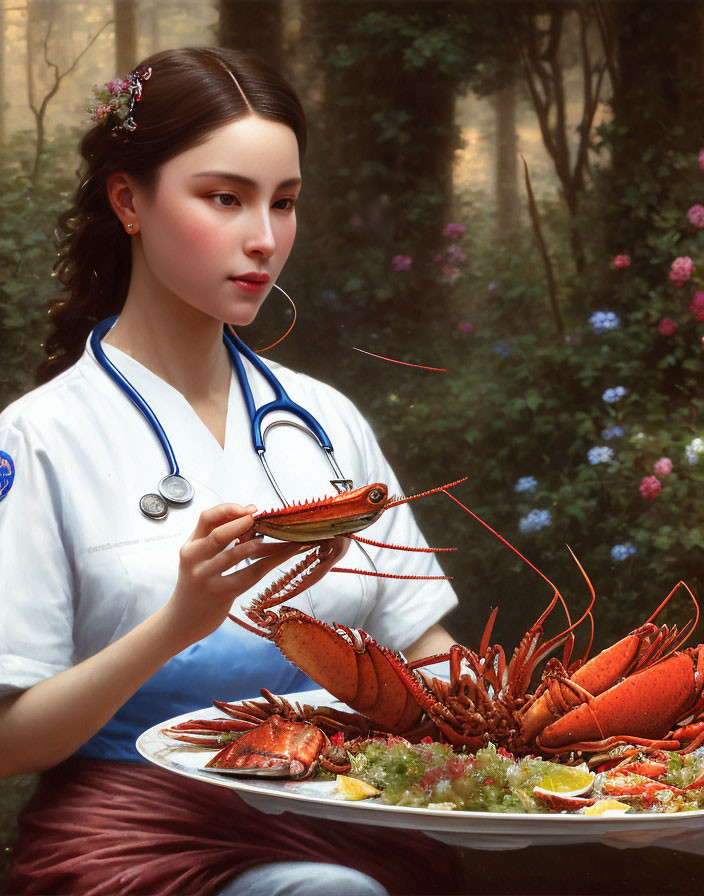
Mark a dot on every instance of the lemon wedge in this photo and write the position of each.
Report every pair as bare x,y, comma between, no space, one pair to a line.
607,807
567,780
354,789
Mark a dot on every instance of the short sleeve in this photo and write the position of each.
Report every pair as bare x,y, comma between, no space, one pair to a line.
36,581
404,609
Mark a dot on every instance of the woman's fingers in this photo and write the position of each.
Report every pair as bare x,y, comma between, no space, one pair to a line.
243,579
223,514
215,531
279,551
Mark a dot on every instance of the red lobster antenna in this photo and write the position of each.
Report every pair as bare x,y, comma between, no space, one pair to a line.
405,363
394,502
549,645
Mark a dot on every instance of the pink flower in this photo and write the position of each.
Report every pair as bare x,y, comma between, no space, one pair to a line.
622,261
465,326
667,327
697,305
701,159
450,271
650,487
402,262
454,231
456,255
681,270
355,221
662,467
695,216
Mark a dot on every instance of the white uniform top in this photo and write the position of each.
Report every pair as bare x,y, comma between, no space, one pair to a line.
80,565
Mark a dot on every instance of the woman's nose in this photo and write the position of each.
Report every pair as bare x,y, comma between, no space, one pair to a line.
260,237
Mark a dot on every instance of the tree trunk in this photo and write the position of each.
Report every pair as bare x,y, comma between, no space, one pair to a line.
386,133
507,202
254,26
125,14
660,88
3,130
658,100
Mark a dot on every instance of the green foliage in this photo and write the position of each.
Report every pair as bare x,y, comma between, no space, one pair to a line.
516,401
28,214
469,46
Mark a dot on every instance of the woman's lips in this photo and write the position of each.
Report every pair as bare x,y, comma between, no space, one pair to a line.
253,282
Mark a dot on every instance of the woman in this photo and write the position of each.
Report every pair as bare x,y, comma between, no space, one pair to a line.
183,221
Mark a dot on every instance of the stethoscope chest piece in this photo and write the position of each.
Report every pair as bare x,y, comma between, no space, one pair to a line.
176,489
173,489
153,506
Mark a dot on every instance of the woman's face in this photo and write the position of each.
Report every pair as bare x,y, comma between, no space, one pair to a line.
220,224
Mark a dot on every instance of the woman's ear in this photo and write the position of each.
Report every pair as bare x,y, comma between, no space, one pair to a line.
120,195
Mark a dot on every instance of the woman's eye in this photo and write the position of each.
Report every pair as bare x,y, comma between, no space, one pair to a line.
287,204
227,200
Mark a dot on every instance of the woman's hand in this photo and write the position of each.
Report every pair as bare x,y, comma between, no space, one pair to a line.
34,732
204,594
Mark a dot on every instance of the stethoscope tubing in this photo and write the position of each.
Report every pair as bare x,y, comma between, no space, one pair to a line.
281,402
175,488
101,330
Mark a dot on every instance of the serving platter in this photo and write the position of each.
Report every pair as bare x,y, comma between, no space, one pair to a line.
479,830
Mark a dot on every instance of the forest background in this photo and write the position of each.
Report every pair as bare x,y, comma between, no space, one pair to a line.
573,358
569,317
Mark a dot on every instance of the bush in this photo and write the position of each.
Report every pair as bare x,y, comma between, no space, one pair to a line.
28,214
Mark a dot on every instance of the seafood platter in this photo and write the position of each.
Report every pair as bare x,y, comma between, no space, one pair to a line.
496,753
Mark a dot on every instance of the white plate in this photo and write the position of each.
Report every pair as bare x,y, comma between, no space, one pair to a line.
480,830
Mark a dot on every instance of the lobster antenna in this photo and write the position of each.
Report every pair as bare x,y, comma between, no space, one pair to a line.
509,545
554,642
394,361
689,626
669,596
549,645
398,547
431,491
486,635
389,575
375,572
261,351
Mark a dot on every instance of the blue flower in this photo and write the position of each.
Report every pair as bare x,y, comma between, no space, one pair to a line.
535,521
502,348
526,484
600,455
694,450
602,321
620,552
328,295
611,396
612,432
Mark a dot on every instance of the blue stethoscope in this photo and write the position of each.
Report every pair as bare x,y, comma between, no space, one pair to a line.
174,488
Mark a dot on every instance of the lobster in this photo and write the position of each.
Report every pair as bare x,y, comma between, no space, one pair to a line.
289,748
319,523
634,692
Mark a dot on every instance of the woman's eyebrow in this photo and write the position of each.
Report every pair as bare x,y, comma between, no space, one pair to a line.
246,181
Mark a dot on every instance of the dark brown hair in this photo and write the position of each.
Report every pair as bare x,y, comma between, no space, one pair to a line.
191,93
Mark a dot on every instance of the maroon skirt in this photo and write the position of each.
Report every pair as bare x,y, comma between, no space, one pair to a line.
95,828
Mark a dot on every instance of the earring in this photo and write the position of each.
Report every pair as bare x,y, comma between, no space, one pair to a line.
130,227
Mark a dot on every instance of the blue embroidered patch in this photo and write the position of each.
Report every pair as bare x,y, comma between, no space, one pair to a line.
7,474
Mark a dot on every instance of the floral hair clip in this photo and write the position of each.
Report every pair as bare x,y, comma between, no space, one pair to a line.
119,98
